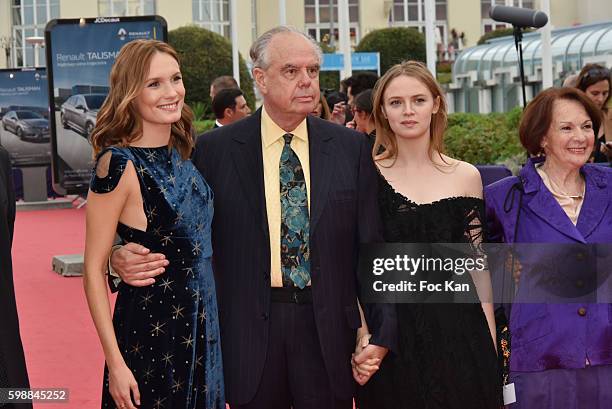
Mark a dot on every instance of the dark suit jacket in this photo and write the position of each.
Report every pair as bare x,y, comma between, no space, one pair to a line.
12,363
344,213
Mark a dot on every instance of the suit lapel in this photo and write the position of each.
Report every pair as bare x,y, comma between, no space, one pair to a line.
320,169
539,199
595,201
548,209
247,157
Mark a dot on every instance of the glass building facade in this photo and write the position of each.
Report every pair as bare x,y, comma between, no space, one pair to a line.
486,78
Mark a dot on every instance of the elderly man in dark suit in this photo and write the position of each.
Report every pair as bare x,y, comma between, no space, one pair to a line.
294,197
13,372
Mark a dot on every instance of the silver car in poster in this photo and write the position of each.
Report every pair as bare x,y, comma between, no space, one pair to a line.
26,125
79,112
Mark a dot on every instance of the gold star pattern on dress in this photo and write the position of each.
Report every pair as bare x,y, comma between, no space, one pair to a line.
136,349
146,299
202,316
172,179
158,328
177,311
179,217
200,227
151,212
188,272
197,248
177,385
148,374
151,156
196,294
167,358
159,403
142,170
188,341
166,284
166,240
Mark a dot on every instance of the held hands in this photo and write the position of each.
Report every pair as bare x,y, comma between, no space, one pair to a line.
366,359
136,265
122,386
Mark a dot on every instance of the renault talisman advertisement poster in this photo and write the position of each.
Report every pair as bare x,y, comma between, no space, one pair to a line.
24,116
80,55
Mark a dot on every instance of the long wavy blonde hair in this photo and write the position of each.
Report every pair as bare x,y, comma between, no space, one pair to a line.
118,121
385,137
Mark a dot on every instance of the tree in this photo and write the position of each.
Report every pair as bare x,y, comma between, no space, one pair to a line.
204,56
395,45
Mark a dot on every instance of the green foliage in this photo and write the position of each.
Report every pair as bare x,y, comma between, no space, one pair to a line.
395,45
444,77
203,126
444,66
199,110
484,139
329,80
205,56
500,32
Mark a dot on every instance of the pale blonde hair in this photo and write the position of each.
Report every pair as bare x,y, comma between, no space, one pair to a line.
385,137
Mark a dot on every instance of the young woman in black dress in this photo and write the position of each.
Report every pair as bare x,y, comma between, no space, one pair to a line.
446,356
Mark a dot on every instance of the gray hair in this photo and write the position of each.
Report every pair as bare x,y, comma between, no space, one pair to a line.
259,49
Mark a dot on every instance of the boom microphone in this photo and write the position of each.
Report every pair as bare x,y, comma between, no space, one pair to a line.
519,17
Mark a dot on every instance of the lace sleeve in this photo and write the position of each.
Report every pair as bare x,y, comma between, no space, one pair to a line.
475,225
108,169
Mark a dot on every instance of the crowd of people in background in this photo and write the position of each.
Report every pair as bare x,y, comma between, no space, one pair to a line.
298,185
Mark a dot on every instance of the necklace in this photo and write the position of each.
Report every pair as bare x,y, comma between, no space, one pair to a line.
555,187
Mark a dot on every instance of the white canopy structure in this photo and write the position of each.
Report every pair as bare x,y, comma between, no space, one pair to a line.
486,78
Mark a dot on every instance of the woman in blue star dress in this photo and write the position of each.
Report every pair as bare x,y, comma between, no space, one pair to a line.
162,344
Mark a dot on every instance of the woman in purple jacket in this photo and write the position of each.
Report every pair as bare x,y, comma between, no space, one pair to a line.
561,351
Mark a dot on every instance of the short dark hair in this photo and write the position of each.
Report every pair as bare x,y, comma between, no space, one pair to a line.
537,117
362,81
363,101
224,82
226,98
591,74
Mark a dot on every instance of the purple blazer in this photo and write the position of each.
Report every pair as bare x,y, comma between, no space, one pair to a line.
554,336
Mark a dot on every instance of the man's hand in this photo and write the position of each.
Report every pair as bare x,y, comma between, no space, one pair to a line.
136,265
366,360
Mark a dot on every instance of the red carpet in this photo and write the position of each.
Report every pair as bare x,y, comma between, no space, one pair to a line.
60,342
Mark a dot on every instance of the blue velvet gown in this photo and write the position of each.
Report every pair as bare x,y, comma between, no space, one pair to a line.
168,332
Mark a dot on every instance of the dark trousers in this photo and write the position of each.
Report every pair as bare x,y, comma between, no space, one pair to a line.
294,374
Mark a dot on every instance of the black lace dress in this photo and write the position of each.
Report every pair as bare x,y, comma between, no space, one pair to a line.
446,358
